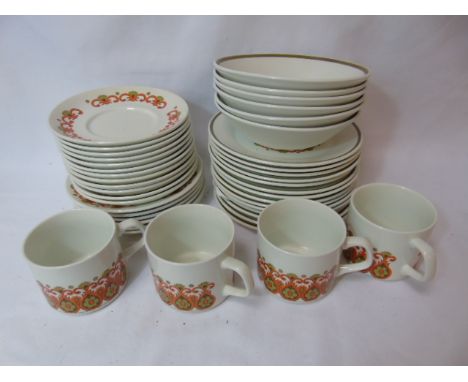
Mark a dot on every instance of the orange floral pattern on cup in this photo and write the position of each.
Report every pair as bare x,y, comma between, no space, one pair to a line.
88,296
292,287
185,297
380,268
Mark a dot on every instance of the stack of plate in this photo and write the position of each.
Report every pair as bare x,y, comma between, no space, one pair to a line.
128,151
248,178
286,129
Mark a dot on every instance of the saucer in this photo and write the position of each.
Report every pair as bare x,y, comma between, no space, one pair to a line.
118,116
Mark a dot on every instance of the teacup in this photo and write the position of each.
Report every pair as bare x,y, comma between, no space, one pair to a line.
190,250
397,221
300,243
77,259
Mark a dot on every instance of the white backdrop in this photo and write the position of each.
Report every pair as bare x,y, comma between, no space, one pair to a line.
415,129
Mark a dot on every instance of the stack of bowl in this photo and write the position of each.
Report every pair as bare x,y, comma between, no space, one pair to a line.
286,128
128,151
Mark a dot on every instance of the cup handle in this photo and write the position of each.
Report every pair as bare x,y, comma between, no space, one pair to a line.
355,241
430,263
135,247
243,271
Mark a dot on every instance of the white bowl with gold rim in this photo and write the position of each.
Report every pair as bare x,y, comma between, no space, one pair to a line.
291,71
281,139
275,110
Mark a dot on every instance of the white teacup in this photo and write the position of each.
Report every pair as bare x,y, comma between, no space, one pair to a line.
397,221
190,250
77,259
300,243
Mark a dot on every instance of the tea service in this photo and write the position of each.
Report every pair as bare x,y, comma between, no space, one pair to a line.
285,154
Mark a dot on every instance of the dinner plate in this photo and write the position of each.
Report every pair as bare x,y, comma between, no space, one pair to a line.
289,101
266,90
343,145
117,116
183,190
236,217
263,198
281,182
288,71
282,172
317,121
279,111
274,191
125,153
257,206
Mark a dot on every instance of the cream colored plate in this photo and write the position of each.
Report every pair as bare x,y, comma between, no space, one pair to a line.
117,116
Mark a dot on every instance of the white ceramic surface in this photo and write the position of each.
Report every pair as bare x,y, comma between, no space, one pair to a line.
183,190
275,110
141,198
191,253
275,173
289,101
303,238
126,149
291,71
397,221
265,90
137,187
250,176
134,162
128,155
77,259
320,121
233,140
264,196
118,115
144,169
284,140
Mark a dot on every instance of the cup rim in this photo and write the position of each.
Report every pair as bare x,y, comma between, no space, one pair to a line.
229,221
392,185
312,202
57,215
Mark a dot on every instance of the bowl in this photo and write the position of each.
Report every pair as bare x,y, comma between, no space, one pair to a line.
289,101
304,122
266,90
268,109
281,139
293,72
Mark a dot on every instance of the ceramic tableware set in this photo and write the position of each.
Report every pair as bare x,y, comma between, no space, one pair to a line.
285,155
286,128
128,151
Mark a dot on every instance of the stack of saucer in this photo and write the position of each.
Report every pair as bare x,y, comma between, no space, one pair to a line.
286,129
128,151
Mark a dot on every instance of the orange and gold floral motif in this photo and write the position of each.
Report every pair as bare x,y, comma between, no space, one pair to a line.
380,267
67,122
286,151
291,286
131,96
183,297
88,295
